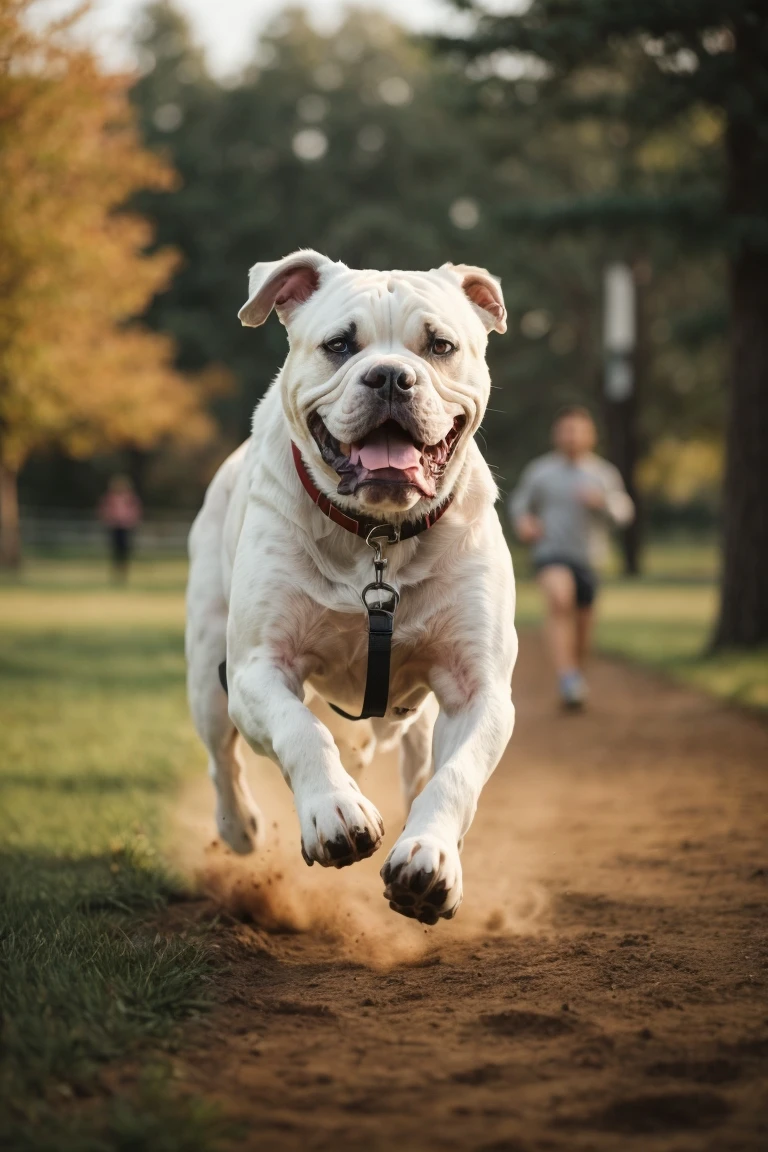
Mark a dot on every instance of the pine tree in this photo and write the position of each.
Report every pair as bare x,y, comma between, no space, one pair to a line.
654,66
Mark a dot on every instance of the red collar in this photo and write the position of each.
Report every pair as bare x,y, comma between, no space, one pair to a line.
362,525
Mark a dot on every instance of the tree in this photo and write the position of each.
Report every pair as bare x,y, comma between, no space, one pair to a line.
75,368
678,61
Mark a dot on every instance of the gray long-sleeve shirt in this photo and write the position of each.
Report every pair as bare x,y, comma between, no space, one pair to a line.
550,489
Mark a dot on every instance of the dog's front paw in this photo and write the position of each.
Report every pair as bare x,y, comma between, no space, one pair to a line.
422,877
239,821
339,828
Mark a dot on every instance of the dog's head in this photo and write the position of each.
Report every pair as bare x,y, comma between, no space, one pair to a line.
385,383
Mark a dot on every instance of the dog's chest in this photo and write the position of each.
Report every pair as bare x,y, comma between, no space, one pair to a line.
336,661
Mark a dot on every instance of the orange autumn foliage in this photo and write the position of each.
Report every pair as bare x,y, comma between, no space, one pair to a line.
75,368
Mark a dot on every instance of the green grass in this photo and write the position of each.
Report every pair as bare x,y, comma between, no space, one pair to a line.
94,739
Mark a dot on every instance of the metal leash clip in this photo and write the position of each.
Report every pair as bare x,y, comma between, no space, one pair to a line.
388,597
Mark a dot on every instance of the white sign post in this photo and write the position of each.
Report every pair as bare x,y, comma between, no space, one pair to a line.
619,334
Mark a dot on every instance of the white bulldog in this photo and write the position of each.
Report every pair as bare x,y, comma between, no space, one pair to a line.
371,420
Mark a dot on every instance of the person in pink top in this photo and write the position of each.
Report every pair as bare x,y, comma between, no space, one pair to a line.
120,512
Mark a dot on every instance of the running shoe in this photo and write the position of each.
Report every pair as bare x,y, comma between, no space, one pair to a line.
573,690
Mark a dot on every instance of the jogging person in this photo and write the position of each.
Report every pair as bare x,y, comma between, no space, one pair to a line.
562,507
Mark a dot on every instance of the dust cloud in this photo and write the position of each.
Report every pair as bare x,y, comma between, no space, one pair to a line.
274,890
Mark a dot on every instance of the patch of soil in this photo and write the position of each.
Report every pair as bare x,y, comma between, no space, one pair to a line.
603,987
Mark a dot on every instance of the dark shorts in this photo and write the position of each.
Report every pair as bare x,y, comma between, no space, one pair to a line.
585,578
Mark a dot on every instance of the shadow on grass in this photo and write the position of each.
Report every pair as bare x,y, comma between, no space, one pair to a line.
127,879
85,978
72,784
155,1119
141,659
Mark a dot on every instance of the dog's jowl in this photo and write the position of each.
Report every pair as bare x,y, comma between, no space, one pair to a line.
363,448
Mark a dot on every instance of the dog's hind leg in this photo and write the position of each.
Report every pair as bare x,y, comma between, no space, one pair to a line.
354,738
238,818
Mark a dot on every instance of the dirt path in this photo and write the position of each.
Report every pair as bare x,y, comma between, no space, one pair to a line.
603,987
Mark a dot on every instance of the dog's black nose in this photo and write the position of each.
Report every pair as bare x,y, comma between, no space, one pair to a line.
390,376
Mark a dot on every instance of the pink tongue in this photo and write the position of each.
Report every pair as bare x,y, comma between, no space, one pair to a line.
387,447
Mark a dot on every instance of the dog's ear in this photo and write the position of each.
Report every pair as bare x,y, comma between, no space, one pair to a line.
281,284
484,292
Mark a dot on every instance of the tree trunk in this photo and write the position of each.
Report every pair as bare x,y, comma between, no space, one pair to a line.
10,537
743,618
621,425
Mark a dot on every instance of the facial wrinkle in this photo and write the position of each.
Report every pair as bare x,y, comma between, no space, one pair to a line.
390,296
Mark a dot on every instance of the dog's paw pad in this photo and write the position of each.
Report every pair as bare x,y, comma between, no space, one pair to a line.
363,841
341,852
437,896
340,829
421,882
422,879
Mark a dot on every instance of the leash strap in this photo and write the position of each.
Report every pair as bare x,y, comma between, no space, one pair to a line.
380,601
380,629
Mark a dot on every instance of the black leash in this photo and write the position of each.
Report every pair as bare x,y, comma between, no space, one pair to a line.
380,601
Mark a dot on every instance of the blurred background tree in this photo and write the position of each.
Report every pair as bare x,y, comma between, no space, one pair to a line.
681,90
75,370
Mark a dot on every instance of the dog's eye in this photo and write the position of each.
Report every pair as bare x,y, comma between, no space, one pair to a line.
441,347
339,346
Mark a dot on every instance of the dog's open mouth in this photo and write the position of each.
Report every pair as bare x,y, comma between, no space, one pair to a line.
386,455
